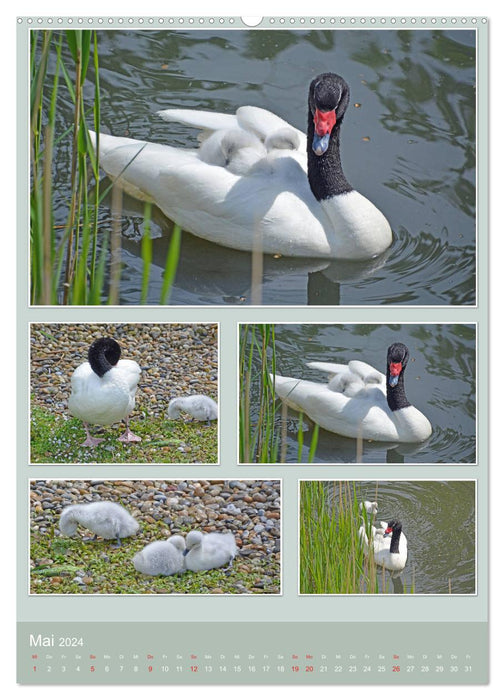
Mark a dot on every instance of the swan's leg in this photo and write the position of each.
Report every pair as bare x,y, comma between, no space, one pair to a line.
229,566
90,441
118,543
128,436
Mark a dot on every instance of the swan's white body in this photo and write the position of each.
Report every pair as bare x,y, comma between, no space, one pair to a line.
200,407
104,518
392,561
104,400
353,404
163,558
209,551
245,188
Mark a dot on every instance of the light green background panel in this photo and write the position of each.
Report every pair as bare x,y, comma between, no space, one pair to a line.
254,639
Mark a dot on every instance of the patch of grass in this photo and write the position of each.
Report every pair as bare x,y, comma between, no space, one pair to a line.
73,565
56,439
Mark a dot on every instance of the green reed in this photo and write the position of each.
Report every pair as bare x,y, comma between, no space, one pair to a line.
263,432
259,439
75,261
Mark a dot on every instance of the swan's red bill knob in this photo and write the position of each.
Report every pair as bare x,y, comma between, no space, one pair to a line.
395,370
324,122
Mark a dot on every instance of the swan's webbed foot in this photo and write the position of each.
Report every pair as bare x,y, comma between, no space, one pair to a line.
118,543
90,441
128,436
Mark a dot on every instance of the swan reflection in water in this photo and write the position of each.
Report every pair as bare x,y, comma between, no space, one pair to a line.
210,274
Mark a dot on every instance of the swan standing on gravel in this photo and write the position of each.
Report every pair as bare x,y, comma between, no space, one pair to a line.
106,519
358,401
199,406
209,551
256,180
389,552
163,558
103,389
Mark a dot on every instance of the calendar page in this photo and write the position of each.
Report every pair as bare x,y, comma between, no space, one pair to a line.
252,350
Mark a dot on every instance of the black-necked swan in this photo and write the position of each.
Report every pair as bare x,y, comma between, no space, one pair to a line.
390,552
105,518
199,406
358,401
279,191
209,551
162,558
103,389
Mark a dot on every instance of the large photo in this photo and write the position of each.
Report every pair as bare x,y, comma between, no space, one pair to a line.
321,167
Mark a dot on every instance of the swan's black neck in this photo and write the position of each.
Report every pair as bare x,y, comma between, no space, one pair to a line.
396,395
103,354
397,356
325,173
396,536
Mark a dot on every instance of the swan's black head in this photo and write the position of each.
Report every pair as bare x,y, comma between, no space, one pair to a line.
397,359
393,526
328,100
103,354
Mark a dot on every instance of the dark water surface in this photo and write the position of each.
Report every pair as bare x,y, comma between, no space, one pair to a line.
408,144
438,519
440,380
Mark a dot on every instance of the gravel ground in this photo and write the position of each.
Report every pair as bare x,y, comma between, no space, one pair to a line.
176,360
250,509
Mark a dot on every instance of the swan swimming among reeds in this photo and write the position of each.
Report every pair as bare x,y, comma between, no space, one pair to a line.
256,177
389,552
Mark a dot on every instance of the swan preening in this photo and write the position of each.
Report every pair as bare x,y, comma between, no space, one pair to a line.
256,182
358,401
389,552
209,551
162,558
103,389
200,407
106,519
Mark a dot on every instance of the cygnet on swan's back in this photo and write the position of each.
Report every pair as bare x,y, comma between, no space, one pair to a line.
199,406
371,507
162,558
104,518
236,150
209,551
